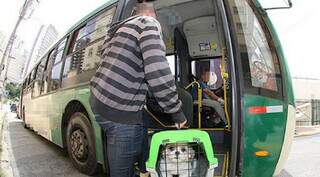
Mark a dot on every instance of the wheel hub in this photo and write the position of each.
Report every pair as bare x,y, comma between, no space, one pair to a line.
79,144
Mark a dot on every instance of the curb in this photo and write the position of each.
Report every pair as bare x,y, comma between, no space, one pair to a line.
308,133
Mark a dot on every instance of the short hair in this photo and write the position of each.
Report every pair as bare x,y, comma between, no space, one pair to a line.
143,5
141,1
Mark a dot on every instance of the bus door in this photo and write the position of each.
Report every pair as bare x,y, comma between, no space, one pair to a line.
263,111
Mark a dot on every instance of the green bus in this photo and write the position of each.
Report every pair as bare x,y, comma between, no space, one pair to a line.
234,39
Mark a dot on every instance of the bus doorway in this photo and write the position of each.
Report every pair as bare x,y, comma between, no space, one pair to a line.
196,49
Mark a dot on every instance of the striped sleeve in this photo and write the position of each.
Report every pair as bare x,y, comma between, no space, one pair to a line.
157,71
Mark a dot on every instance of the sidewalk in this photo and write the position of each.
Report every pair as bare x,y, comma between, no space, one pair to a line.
307,130
4,163
2,116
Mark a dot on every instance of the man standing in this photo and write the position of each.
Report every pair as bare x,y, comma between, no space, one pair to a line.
133,62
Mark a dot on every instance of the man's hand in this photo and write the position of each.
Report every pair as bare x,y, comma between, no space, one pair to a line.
221,101
207,91
180,125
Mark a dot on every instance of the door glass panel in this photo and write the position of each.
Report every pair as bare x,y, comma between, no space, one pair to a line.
261,65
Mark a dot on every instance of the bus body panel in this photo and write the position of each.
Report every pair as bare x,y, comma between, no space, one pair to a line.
288,139
35,114
83,95
263,132
290,100
58,104
44,115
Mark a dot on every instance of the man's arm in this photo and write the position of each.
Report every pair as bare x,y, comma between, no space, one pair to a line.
157,71
211,94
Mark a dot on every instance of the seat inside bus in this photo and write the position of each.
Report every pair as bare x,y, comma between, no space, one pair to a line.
191,32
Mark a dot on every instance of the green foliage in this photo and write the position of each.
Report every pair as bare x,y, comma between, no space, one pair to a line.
13,91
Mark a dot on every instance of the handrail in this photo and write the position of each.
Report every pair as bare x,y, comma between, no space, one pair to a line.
225,76
199,90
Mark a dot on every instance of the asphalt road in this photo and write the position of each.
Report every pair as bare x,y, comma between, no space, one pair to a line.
304,159
32,156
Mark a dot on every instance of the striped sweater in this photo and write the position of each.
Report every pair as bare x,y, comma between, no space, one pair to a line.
133,62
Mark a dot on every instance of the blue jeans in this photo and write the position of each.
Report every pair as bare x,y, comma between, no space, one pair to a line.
126,145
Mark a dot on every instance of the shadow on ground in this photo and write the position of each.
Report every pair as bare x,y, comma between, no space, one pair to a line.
34,156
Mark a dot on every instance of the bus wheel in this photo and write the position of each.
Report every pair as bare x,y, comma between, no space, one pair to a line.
80,144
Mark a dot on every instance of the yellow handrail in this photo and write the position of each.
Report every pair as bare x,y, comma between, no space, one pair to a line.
225,76
199,89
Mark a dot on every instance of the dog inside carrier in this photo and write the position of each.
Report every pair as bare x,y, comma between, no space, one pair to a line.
184,153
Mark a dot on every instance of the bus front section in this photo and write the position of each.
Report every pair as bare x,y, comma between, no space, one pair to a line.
235,44
267,119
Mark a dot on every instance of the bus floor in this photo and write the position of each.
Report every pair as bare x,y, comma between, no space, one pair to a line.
221,147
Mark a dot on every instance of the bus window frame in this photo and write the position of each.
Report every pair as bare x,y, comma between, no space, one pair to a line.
35,79
29,85
119,5
83,79
45,58
33,74
246,81
49,70
28,80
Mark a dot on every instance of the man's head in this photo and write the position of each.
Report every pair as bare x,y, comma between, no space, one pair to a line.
145,8
205,75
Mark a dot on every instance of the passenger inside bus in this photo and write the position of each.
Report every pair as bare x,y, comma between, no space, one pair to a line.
210,101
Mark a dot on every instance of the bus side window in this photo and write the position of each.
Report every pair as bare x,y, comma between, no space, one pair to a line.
92,53
39,76
23,86
57,66
43,64
35,82
26,87
85,49
47,75
32,77
28,81
72,61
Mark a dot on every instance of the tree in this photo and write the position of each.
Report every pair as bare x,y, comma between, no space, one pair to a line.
13,91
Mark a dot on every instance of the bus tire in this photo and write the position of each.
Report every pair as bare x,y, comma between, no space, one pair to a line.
81,149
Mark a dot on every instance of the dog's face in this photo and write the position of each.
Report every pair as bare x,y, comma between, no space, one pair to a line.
178,152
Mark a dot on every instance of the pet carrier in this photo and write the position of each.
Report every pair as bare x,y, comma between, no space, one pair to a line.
181,153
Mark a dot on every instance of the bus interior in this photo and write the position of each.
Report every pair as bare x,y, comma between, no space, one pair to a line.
195,41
